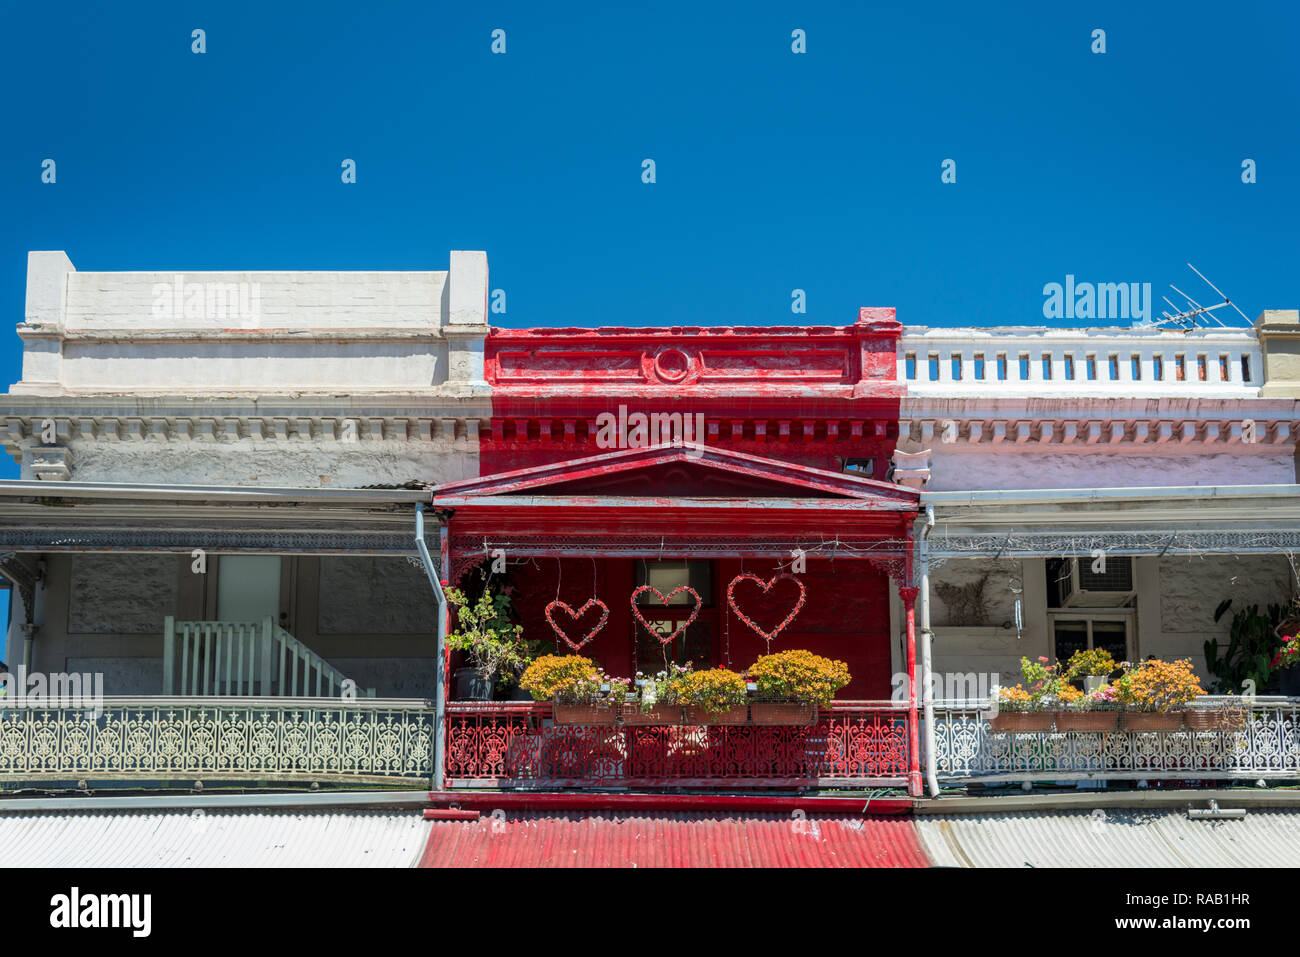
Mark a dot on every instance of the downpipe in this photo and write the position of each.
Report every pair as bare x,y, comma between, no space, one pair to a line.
927,638
440,679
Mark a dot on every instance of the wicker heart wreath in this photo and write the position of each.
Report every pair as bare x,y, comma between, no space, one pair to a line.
767,587
575,615
695,612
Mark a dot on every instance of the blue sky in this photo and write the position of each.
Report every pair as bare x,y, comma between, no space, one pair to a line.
775,171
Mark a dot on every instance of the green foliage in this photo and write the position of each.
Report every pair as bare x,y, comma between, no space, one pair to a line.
488,636
1252,643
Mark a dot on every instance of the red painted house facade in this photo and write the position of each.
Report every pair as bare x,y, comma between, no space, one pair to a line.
618,458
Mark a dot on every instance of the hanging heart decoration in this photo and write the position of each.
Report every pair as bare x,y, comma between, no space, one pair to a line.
767,587
575,615
695,612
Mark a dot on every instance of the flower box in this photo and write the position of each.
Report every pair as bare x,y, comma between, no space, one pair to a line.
656,714
1153,720
788,713
594,712
1214,719
1087,720
1022,722
732,716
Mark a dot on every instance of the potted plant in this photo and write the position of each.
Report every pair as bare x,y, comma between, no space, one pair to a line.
1029,707
1286,665
1018,711
1092,711
656,699
491,641
580,693
1092,666
716,696
790,685
1153,693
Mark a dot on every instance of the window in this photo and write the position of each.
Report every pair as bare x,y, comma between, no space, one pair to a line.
1024,366
1092,366
1047,366
1069,366
1245,368
864,467
956,367
979,365
1158,368
695,644
1135,367
1078,630
1002,366
909,364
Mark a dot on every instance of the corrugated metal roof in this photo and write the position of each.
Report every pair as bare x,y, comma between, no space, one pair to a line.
591,839
213,839
1111,838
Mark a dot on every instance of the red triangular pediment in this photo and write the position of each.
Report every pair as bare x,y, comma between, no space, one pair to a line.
689,470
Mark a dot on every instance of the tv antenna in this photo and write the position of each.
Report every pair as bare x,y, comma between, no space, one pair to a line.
1195,315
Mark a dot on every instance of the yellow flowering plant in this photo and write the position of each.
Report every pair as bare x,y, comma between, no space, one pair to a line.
714,690
800,675
552,675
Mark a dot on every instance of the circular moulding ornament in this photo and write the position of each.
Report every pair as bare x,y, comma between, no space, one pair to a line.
672,365
665,599
768,636
575,615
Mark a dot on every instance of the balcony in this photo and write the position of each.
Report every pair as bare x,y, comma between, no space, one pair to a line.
518,745
1266,746
160,742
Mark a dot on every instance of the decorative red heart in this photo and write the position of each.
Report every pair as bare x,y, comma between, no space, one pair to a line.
695,612
575,615
767,587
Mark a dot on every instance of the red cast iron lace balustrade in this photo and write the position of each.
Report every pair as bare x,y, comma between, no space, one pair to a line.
509,744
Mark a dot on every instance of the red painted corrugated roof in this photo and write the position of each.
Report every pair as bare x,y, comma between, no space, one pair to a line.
606,839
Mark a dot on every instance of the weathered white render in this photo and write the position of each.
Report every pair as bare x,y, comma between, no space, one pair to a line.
296,379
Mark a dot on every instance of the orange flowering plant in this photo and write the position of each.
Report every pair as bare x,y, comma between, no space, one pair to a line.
1156,685
552,675
799,674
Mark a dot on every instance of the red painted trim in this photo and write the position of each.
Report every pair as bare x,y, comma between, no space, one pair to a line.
588,801
449,814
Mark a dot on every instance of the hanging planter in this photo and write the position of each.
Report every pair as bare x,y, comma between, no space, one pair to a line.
697,715
592,712
1214,719
1153,720
635,714
1021,722
1087,721
798,714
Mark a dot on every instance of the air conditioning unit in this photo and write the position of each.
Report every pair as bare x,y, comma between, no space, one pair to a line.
1084,588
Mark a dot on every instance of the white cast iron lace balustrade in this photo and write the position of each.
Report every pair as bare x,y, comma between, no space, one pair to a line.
298,740
1266,746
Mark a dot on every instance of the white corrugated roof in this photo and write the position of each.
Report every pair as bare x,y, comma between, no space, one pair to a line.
199,838
1111,838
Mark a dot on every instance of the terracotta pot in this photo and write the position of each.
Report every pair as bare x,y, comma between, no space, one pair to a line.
599,713
657,714
733,716
1214,719
1087,720
1153,720
787,713
1022,722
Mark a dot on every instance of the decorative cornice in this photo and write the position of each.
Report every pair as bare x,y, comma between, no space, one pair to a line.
1072,434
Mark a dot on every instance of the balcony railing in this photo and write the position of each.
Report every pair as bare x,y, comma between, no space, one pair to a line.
518,745
183,740
1267,745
